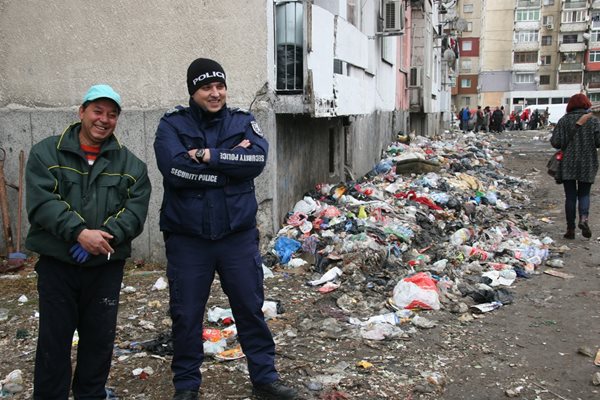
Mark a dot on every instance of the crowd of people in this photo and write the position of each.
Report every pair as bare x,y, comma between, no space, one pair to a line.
496,121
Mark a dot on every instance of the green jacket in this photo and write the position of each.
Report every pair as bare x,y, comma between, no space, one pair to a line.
66,195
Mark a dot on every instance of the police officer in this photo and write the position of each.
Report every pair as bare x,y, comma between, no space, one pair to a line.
209,155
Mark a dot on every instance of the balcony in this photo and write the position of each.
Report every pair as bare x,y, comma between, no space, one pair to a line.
593,85
526,46
571,47
574,5
527,25
529,4
596,5
570,67
573,26
525,67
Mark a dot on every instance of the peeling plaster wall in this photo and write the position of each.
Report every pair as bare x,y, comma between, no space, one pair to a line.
50,52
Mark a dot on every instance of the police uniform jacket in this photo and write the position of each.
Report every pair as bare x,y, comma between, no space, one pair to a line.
66,195
211,199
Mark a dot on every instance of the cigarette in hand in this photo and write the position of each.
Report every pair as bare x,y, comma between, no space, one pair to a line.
108,257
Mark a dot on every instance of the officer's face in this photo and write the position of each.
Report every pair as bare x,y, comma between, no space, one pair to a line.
211,97
98,121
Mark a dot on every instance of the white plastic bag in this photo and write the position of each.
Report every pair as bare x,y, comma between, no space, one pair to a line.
417,291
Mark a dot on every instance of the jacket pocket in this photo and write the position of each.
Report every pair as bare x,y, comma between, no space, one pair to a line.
112,192
241,205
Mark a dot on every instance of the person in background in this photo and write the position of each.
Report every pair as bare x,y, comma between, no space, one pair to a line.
487,117
577,133
545,117
465,116
209,156
479,120
87,199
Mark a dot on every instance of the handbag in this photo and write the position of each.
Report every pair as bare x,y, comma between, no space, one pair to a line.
553,164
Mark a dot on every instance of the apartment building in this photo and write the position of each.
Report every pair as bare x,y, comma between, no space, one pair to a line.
528,52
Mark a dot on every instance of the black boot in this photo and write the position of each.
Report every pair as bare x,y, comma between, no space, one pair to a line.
585,229
570,233
274,391
186,395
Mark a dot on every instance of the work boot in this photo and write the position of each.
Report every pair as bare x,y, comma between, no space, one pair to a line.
276,390
585,229
570,233
186,395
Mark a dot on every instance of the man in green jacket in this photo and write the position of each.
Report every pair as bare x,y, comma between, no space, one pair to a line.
87,199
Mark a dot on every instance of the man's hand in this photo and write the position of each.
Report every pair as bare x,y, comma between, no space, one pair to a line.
95,241
79,254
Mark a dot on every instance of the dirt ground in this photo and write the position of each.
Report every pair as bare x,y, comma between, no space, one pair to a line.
540,347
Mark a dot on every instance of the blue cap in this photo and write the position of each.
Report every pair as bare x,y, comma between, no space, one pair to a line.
102,92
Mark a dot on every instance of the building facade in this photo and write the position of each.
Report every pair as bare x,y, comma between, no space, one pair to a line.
325,79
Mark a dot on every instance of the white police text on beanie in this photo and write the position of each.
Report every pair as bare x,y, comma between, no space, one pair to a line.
203,71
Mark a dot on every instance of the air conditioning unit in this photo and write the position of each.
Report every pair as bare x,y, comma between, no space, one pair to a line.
550,26
393,15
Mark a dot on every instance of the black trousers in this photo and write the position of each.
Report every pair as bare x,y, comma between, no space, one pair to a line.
75,297
191,268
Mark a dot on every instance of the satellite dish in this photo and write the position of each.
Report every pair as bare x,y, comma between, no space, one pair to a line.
461,25
449,56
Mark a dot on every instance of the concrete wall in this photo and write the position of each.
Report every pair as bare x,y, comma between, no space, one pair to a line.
306,147
50,53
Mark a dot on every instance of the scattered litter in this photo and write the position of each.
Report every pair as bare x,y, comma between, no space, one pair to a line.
558,274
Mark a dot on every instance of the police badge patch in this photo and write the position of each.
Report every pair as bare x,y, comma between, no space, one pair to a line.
256,128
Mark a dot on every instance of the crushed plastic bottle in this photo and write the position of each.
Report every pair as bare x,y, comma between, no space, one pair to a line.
476,253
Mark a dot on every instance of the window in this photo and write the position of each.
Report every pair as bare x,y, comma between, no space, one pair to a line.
574,16
468,8
288,39
467,101
595,36
569,78
569,38
526,36
524,78
528,15
546,40
467,45
548,20
465,65
594,97
548,2
568,58
546,60
465,83
595,17
526,57
387,49
595,56
544,100
469,27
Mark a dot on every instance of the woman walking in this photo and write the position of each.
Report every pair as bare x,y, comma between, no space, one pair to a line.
577,133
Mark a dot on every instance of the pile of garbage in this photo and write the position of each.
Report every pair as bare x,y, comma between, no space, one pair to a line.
436,224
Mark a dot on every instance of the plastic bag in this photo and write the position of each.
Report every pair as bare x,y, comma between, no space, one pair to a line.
417,291
285,247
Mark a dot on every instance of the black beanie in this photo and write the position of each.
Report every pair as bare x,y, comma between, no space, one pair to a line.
203,71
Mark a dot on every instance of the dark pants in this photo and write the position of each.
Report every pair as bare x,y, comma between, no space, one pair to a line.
75,297
576,193
192,263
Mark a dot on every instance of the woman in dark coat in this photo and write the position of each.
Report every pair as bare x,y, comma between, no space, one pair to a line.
579,138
